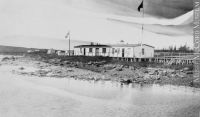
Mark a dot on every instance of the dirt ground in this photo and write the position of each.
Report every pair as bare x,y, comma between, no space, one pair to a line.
99,70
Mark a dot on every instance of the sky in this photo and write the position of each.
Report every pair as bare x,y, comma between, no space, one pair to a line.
40,23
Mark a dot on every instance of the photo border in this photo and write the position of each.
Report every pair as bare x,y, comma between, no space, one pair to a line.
196,38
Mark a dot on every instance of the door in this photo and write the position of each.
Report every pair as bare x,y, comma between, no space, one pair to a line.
97,52
123,50
84,51
143,53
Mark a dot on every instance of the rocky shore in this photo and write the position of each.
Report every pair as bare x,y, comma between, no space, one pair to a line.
99,69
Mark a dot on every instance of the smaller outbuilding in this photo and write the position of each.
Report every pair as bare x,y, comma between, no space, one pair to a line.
30,51
61,53
51,51
71,52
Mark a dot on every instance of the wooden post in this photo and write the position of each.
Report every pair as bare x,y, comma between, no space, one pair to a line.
139,59
157,59
150,60
69,43
164,59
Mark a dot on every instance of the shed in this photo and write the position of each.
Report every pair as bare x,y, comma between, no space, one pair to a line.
60,53
51,51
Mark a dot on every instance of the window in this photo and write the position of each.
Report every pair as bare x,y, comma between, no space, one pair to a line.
97,49
104,50
90,49
142,51
81,50
113,50
116,50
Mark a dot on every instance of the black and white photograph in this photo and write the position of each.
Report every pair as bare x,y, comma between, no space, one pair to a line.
99,58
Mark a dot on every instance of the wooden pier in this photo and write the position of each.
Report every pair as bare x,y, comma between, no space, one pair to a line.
176,58
166,58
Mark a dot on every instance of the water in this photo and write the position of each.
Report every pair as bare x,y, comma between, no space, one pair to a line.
142,99
133,100
110,90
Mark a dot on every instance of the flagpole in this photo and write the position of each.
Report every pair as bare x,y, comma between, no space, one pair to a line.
69,43
68,36
142,31
142,23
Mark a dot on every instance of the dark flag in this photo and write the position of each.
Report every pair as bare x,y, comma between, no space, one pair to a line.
68,33
141,6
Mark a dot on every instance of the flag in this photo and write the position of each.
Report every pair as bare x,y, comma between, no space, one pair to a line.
141,6
68,33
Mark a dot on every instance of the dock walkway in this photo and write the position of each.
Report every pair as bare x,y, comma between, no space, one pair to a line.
166,58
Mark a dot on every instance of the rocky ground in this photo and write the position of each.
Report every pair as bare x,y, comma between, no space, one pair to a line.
99,70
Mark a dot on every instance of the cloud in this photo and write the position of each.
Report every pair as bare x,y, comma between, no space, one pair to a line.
181,20
87,20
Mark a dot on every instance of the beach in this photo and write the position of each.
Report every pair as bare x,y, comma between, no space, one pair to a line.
23,94
101,68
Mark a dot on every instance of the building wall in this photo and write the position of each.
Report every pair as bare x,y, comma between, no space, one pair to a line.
60,53
115,52
51,51
79,52
107,53
129,52
148,52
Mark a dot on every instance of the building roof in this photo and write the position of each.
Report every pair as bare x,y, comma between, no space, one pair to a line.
109,46
129,45
92,46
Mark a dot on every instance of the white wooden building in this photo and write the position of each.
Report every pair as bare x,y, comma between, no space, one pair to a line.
132,51
138,51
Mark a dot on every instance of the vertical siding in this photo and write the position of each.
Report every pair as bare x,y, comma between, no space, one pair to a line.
148,52
137,52
117,52
93,53
88,53
130,52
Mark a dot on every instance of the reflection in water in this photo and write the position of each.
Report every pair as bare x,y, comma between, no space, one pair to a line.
111,89
141,99
154,99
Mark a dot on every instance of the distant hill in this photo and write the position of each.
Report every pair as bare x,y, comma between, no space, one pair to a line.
11,49
40,42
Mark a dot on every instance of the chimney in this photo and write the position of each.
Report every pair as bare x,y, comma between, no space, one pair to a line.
121,42
92,43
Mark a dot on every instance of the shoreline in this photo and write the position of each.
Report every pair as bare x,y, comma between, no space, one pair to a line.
98,69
